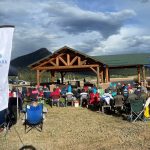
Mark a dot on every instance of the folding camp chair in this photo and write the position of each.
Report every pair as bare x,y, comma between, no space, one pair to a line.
137,110
34,117
118,104
69,99
55,100
106,104
12,109
47,95
84,100
4,124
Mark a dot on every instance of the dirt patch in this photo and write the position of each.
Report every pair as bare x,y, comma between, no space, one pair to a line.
80,129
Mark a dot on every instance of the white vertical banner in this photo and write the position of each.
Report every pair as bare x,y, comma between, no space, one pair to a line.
6,36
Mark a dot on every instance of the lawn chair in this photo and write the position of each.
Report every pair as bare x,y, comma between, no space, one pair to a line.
137,110
4,124
69,99
12,109
118,104
34,117
84,100
47,95
55,100
107,105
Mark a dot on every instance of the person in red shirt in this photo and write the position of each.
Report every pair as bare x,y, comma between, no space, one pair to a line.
58,90
55,96
94,98
10,93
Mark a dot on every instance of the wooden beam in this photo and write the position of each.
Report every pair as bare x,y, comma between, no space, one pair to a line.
73,60
102,76
63,61
97,76
54,64
139,76
49,61
46,62
33,68
107,74
67,67
68,59
93,70
57,61
79,60
38,77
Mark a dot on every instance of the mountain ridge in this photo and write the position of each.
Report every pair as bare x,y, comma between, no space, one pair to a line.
22,62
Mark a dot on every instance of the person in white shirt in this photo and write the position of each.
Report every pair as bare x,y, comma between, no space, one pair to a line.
107,97
83,96
70,98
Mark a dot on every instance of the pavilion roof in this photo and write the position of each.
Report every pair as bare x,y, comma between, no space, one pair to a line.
125,59
65,49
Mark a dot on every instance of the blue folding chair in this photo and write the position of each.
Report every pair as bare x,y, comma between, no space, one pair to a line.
34,117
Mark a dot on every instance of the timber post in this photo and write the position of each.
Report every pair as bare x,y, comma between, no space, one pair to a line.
107,74
98,76
38,77
139,76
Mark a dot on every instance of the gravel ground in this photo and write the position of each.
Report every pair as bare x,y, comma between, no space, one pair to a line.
79,129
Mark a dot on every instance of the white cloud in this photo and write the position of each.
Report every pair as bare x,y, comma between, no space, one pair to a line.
128,40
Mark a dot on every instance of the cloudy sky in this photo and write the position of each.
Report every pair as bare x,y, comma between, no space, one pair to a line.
95,27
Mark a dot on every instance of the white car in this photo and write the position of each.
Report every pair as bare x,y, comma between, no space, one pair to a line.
22,82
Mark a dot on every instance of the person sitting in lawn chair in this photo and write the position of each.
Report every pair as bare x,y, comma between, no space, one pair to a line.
34,94
34,103
70,98
94,100
107,98
106,101
34,116
83,97
55,97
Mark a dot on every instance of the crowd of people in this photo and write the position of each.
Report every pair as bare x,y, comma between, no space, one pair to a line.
87,96
64,95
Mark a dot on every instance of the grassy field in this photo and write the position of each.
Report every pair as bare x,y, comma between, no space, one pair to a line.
80,129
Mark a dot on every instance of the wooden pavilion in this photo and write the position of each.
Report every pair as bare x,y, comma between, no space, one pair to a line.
67,59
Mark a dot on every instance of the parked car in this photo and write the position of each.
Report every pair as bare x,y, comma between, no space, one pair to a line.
12,81
22,82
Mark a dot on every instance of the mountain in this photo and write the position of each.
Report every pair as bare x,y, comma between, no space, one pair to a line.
25,60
